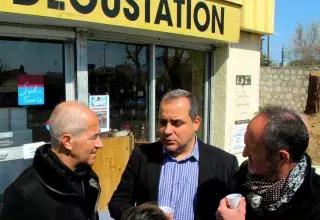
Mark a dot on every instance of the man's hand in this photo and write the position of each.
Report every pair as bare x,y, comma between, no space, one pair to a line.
169,216
225,213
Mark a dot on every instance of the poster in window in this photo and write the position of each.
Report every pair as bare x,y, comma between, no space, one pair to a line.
30,89
100,105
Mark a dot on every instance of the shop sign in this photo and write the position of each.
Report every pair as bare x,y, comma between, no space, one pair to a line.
100,105
30,89
206,19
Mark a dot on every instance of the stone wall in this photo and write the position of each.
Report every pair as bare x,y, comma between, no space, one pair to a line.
285,86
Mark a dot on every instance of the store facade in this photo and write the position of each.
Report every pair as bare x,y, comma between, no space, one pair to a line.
134,52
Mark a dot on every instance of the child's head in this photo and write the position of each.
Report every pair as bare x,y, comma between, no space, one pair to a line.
146,211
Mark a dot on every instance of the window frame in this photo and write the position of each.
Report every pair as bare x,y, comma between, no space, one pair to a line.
153,43
45,34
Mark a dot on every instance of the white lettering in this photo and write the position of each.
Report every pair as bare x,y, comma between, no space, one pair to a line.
25,89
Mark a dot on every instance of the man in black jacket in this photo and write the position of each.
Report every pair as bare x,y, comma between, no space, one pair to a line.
179,171
60,184
277,180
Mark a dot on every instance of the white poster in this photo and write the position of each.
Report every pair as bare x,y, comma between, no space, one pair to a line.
30,149
6,135
237,138
100,105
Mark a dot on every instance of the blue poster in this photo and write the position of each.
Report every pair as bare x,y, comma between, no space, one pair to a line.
30,90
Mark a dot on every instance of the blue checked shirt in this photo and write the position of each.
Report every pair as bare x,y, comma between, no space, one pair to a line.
178,184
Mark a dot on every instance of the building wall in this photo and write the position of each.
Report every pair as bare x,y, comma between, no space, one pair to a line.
242,58
258,16
242,100
287,86
219,98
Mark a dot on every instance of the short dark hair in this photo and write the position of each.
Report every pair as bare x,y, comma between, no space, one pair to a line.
285,130
146,211
179,93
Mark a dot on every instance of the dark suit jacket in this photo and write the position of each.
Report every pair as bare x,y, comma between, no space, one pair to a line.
140,180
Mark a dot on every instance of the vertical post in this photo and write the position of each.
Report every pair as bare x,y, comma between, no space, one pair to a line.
282,56
268,51
211,98
206,107
69,70
82,66
104,57
152,93
261,51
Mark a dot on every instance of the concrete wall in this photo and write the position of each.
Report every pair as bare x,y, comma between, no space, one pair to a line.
219,97
242,58
287,86
243,100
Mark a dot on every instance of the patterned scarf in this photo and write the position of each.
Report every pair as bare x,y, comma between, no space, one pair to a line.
265,197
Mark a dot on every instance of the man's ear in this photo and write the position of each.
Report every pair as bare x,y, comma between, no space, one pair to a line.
196,123
67,141
283,158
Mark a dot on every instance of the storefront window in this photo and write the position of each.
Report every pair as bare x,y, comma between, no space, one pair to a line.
180,69
121,71
31,85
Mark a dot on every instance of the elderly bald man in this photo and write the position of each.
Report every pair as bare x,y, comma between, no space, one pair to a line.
60,184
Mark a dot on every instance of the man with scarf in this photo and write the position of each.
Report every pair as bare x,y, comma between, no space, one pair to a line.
60,184
277,179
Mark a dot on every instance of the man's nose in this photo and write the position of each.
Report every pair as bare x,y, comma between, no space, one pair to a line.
245,152
98,143
168,129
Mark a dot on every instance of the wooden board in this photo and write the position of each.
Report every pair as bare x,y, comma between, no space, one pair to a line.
110,163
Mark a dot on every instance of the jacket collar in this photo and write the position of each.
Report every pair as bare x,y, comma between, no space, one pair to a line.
155,162
57,176
194,153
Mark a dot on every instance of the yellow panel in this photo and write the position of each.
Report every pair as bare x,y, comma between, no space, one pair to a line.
258,16
110,163
200,15
239,2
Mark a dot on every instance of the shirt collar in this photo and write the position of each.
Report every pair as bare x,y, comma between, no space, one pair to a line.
194,154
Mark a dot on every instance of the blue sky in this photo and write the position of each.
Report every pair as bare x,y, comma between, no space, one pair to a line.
287,14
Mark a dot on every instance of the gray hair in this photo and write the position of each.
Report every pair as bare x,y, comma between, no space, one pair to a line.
179,93
285,130
67,120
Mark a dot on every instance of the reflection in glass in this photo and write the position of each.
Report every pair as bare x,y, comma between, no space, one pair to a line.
121,70
21,124
180,69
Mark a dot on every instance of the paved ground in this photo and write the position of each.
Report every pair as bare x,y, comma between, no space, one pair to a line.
105,216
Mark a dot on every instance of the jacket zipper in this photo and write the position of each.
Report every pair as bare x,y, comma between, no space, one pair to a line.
95,207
